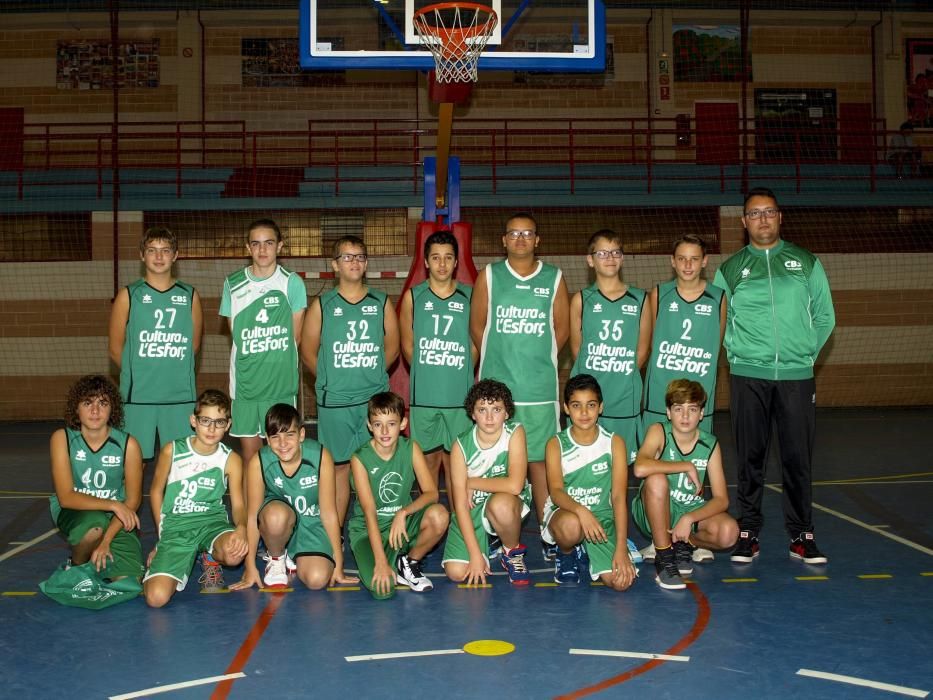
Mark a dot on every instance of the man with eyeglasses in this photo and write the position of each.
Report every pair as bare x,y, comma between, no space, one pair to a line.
610,337
264,305
350,340
520,320
780,315
155,334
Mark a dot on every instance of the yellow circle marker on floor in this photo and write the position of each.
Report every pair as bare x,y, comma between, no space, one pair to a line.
488,647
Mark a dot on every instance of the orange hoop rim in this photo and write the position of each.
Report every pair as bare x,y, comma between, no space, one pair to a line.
444,33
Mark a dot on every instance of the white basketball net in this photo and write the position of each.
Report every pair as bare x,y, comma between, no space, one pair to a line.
456,34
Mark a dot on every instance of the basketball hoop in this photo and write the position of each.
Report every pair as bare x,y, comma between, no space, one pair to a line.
456,34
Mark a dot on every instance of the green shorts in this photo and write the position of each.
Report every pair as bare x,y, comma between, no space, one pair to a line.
541,422
640,516
171,420
600,553
181,540
627,429
342,429
249,417
455,548
436,428
363,552
309,538
125,547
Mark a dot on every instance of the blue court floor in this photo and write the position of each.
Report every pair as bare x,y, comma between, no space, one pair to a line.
859,627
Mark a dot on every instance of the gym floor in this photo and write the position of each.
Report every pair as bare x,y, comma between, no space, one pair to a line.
859,627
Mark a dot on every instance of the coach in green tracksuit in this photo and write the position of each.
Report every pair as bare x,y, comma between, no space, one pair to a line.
780,315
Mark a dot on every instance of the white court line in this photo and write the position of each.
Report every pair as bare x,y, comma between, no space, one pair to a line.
628,654
177,686
403,655
871,528
26,545
852,680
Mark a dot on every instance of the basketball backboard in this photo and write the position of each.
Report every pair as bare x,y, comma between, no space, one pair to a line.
532,35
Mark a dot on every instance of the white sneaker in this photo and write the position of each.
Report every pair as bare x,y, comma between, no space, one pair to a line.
276,575
648,553
700,555
408,573
290,566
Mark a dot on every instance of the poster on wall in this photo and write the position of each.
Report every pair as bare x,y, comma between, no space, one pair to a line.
561,44
708,54
274,63
920,82
88,65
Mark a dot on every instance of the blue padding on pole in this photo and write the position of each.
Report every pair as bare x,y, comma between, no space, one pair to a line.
432,212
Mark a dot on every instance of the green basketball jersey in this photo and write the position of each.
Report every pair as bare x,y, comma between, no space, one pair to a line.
158,354
441,363
681,488
610,330
486,462
196,483
390,480
351,358
98,474
587,471
685,344
300,489
519,345
264,358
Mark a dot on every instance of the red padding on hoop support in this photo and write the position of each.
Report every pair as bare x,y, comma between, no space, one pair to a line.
456,93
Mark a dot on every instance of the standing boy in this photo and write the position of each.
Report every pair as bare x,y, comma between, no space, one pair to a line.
187,495
519,320
780,316
349,342
155,334
689,318
264,304
673,461
435,332
610,334
390,534
291,504
488,489
587,474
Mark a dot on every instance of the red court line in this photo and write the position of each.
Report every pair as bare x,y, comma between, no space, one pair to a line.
699,626
246,648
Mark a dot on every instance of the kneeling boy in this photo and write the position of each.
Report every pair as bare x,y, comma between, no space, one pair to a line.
292,505
388,530
673,462
489,490
587,475
187,494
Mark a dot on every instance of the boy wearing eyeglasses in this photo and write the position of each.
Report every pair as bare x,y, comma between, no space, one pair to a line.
264,305
519,320
188,487
610,336
350,340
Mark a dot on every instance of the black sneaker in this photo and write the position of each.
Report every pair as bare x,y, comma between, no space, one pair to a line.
804,547
667,575
683,556
746,549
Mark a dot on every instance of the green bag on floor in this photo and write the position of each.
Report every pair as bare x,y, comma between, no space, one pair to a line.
83,587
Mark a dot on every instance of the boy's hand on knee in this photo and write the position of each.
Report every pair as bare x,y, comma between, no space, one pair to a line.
127,515
382,579
592,530
237,547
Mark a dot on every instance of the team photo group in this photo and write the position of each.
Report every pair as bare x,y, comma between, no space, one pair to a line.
485,407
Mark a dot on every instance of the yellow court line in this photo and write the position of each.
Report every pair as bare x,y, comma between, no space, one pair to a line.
868,479
19,593
341,589
597,583
276,590
926,573
812,578
740,580
474,585
546,584
875,576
